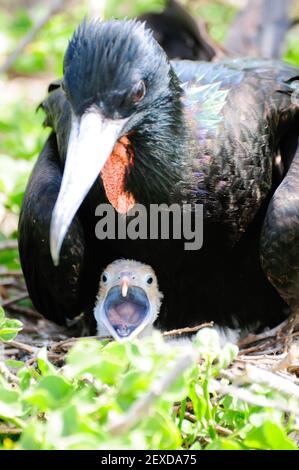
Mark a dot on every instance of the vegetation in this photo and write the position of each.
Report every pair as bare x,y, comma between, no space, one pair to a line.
106,389
84,400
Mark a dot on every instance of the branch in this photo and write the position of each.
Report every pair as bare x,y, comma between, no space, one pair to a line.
22,346
15,299
9,376
55,6
8,244
28,312
258,400
5,429
7,273
252,338
182,331
67,343
255,374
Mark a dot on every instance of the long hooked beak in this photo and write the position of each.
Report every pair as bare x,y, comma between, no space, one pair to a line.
91,142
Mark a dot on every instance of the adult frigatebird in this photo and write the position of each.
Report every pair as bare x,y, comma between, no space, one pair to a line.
129,126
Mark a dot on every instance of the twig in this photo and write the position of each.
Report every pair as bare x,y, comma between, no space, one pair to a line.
8,244
70,341
10,352
12,283
51,356
5,273
22,346
9,376
262,336
182,331
259,400
15,299
261,376
4,429
29,312
190,417
141,407
55,6
261,347
291,359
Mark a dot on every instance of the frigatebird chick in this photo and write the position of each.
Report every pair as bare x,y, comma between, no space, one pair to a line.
129,300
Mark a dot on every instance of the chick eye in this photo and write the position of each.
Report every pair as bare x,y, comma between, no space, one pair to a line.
149,280
104,278
138,91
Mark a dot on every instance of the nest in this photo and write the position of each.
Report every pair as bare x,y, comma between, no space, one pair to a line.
275,351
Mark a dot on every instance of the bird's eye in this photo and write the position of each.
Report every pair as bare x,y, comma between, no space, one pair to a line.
138,91
149,280
104,278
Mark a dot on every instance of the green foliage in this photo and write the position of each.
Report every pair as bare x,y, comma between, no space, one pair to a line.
8,328
292,54
121,9
79,405
218,17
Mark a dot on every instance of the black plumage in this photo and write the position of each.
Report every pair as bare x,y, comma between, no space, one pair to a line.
199,132
179,34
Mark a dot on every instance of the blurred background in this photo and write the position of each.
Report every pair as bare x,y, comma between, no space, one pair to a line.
33,37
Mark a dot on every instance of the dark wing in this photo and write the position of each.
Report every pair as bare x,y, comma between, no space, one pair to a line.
242,114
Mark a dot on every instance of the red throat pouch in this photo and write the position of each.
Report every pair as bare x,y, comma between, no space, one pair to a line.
113,176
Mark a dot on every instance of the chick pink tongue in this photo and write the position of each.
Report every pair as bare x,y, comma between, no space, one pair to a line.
113,176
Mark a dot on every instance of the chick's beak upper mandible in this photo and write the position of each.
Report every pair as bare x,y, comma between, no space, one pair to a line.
124,286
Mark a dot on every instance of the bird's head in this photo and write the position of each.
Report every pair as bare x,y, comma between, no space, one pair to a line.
129,300
127,126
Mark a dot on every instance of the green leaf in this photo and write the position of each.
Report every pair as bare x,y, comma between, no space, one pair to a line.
44,365
13,364
228,355
2,315
89,356
207,342
224,444
10,405
51,392
269,436
9,329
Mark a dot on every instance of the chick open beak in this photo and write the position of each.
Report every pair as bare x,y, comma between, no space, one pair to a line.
125,312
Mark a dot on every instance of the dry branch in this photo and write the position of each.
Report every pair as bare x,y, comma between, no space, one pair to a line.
5,272
258,400
187,330
8,244
28,312
6,429
15,299
22,346
9,376
261,376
